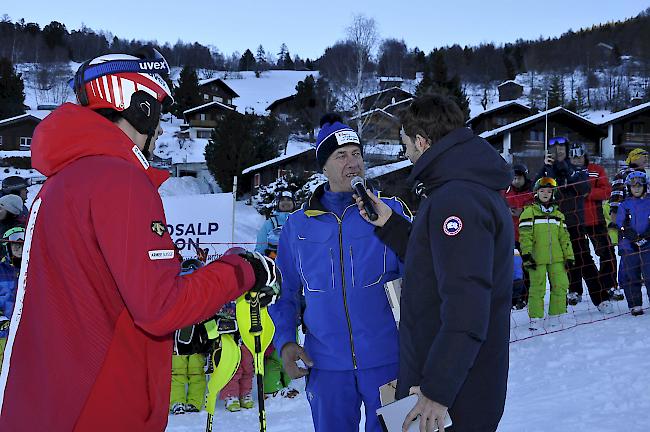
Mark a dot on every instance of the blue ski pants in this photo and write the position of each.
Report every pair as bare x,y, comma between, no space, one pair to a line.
335,397
630,270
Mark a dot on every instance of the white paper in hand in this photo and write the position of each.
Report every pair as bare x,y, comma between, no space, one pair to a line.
391,416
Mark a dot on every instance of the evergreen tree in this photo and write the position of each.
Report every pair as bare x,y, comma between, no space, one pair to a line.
435,80
556,92
287,62
239,141
282,55
12,95
247,61
260,58
187,94
309,105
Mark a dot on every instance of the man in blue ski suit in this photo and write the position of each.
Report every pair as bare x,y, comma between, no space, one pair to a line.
331,253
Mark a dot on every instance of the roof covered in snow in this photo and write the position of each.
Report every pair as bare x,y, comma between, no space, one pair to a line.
294,148
35,114
531,119
622,114
497,107
381,170
206,106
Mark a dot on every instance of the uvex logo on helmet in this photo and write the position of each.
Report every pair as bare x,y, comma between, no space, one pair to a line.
155,65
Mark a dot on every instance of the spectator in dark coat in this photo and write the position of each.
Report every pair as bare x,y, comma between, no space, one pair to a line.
457,289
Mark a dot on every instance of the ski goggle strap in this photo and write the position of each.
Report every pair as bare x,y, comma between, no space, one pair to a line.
557,140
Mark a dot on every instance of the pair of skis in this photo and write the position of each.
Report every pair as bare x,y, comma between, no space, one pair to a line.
256,329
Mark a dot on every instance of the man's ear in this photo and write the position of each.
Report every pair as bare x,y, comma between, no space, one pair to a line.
421,143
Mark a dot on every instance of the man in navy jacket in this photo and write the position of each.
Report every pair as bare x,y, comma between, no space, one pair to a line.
331,254
457,288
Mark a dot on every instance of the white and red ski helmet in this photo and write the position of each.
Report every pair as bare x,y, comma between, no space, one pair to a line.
128,84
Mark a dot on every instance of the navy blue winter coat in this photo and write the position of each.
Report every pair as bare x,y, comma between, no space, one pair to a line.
341,265
457,288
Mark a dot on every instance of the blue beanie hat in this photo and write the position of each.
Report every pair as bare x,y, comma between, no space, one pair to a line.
333,134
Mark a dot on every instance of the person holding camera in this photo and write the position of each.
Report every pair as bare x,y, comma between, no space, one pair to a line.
573,188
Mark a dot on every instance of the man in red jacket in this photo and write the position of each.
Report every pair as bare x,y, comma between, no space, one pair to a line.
595,225
99,292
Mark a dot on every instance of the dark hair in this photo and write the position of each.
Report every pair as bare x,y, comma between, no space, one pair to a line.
112,115
432,116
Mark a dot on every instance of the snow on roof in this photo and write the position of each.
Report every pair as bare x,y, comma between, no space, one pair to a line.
383,110
219,81
385,90
391,79
497,106
15,153
618,115
39,114
376,110
200,107
378,171
294,148
510,82
256,94
530,119
382,149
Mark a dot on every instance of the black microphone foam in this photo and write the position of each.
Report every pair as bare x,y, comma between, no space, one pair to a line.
359,187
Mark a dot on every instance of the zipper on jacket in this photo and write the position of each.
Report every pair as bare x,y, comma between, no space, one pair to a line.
345,299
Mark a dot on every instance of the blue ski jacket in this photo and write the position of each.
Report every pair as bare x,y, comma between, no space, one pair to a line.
8,285
634,213
276,221
341,266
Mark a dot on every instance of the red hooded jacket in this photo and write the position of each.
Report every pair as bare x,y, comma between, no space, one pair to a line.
600,191
100,294
518,199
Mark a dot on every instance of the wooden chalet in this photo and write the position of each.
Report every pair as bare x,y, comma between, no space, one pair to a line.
203,118
216,90
626,130
16,132
499,115
523,141
510,90
384,98
299,159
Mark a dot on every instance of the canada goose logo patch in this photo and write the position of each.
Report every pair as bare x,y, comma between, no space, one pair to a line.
452,226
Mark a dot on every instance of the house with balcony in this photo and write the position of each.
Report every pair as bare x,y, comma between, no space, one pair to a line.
626,130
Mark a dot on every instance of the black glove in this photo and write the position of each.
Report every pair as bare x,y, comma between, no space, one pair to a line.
568,264
529,261
629,234
267,283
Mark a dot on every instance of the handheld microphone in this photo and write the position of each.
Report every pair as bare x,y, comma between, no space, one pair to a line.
359,186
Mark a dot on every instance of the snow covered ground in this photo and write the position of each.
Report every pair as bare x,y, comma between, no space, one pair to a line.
585,372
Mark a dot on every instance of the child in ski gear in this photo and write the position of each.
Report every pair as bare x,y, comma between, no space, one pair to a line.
237,393
269,234
103,273
545,249
17,185
518,195
12,247
268,237
633,220
188,365
518,285
328,250
10,209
